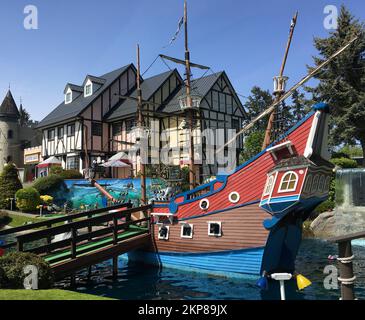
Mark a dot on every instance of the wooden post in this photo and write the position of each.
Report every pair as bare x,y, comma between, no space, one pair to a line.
190,113
19,245
115,230
115,266
49,238
89,228
89,269
140,123
73,280
73,243
347,277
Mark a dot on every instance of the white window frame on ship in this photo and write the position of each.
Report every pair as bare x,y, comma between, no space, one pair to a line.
167,235
281,189
182,230
220,229
269,185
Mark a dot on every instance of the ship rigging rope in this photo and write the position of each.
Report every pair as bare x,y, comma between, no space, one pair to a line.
287,94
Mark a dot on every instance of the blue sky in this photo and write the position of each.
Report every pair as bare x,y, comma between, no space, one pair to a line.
79,37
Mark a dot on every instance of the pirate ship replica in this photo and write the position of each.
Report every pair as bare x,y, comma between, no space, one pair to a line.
250,221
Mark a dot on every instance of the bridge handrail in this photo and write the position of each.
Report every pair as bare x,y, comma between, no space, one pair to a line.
79,238
70,217
74,226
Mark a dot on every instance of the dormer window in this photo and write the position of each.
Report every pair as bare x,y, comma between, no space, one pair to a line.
88,90
68,97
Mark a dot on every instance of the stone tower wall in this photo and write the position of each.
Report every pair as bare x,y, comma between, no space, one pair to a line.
10,147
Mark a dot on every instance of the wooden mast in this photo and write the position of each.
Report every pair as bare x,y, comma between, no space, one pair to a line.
280,90
139,126
190,111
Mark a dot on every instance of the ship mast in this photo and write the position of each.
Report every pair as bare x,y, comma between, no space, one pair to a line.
140,126
279,84
189,110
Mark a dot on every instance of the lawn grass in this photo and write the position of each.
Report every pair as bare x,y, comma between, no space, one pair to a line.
17,221
53,294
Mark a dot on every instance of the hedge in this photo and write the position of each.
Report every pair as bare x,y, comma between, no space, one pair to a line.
27,199
48,185
344,163
13,263
66,174
9,185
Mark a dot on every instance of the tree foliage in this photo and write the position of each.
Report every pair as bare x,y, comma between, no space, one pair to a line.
342,82
258,101
9,184
27,199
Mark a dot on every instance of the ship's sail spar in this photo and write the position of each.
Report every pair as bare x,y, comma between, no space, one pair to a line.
270,109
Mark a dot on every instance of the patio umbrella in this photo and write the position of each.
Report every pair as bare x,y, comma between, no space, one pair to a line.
115,164
50,161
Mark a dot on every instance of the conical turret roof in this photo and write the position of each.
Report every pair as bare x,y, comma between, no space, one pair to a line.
8,107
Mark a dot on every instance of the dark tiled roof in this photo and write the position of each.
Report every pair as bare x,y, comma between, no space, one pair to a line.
74,87
8,108
149,86
68,111
199,86
98,80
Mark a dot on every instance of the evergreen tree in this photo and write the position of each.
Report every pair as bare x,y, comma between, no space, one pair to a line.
9,185
342,82
24,116
257,102
300,106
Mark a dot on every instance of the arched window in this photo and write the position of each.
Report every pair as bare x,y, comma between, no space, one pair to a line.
269,185
288,182
10,134
308,184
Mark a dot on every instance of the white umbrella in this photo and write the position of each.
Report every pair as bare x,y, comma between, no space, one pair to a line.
50,161
115,164
119,156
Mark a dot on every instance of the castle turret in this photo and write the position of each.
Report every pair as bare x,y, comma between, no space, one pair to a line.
10,148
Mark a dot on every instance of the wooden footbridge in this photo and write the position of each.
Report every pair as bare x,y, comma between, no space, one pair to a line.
86,238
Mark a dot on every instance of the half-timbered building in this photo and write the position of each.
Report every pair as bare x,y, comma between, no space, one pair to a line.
94,121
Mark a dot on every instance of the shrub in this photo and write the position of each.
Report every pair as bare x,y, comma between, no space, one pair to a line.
13,265
47,200
27,199
71,174
49,184
325,206
344,163
9,185
4,218
66,174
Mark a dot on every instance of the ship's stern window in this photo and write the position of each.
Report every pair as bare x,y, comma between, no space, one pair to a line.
289,182
269,185
215,229
163,233
187,231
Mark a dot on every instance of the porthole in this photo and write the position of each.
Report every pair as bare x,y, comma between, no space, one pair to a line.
163,233
204,204
234,197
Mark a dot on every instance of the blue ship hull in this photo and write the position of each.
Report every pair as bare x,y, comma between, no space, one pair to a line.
235,263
